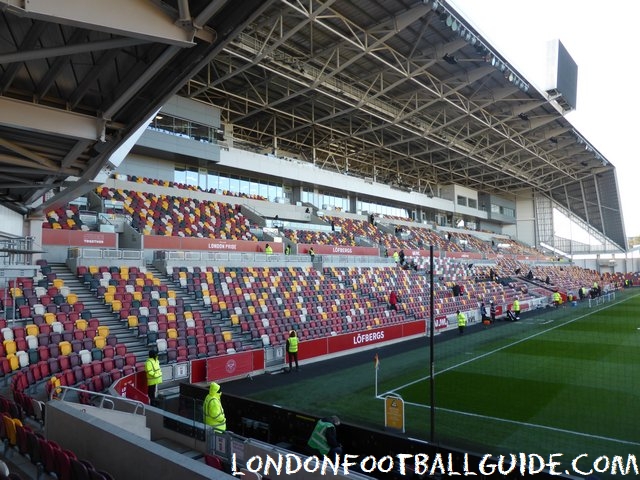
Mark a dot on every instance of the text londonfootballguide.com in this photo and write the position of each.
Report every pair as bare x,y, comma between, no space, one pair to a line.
421,464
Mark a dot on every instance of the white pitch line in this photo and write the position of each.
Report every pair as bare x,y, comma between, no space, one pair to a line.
527,424
479,357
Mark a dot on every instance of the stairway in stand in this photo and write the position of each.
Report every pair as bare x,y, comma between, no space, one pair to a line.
206,313
102,312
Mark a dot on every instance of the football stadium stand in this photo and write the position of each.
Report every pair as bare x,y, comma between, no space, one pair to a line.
199,180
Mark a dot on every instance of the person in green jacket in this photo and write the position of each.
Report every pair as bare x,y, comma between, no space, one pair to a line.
462,321
324,439
292,350
212,409
557,299
154,375
516,308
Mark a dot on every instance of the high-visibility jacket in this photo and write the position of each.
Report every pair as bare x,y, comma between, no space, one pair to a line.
462,320
516,306
292,344
212,409
268,250
318,439
556,297
153,370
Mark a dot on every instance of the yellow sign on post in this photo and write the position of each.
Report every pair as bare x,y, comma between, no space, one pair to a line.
394,412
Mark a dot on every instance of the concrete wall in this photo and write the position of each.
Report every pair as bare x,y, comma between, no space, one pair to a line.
119,452
10,222
526,219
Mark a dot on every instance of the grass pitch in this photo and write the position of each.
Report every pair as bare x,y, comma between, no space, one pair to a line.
562,381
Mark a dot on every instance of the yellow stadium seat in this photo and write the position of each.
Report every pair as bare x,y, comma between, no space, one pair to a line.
99,341
10,347
14,363
103,330
32,329
65,347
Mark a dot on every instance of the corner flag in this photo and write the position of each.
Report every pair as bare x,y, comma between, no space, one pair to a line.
376,361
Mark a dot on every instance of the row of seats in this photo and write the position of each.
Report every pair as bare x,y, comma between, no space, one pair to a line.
46,454
71,370
248,295
75,351
170,215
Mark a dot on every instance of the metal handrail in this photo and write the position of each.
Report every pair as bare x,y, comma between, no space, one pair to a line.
138,407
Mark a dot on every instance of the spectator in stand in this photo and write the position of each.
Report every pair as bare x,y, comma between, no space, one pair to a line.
401,255
393,300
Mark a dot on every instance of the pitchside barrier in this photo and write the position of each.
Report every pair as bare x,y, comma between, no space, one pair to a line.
602,299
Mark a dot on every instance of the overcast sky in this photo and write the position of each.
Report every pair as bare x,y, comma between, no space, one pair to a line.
602,39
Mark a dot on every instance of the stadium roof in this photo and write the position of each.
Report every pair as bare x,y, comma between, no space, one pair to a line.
400,92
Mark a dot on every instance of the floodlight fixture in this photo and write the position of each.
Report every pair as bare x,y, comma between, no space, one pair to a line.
450,59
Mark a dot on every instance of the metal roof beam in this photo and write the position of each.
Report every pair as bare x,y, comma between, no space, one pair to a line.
29,41
44,53
139,19
37,118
